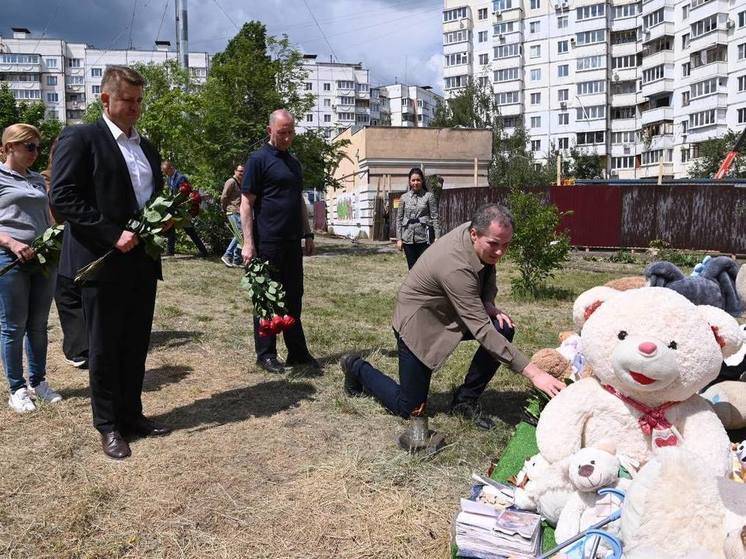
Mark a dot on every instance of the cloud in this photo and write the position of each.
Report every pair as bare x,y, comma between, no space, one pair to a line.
394,39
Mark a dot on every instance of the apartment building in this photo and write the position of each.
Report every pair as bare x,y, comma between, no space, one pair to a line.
639,83
67,76
411,105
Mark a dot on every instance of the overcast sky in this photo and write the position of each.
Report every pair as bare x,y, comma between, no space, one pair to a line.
394,39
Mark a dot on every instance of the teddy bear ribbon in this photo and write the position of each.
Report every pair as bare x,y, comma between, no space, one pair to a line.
651,418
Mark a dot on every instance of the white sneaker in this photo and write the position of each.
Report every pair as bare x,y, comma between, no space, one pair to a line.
20,401
227,261
45,393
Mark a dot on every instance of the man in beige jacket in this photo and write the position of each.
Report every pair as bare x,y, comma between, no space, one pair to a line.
448,296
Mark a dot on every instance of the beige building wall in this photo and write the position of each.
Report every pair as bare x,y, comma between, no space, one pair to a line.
378,160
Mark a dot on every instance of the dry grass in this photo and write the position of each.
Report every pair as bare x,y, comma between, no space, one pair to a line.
260,465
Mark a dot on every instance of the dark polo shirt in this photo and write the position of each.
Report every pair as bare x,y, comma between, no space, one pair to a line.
276,178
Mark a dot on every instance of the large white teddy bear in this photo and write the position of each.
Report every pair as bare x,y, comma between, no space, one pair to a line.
651,351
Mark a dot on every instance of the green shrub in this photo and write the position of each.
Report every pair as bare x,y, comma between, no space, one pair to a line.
211,228
537,248
623,257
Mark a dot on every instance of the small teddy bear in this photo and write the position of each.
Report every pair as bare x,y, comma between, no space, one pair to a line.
651,351
591,469
542,487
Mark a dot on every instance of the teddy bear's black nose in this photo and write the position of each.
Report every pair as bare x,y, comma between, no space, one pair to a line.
585,470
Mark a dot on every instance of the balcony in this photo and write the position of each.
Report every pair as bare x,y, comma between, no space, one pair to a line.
658,31
651,6
663,85
624,24
653,169
717,37
705,10
656,59
712,70
362,94
463,23
22,85
625,74
626,49
18,64
75,105
624,124
716,100
511,110
624,99
656,115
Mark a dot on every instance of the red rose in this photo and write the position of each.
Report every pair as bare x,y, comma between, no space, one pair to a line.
194,210
195,196
185,188
265,327
288,322
277,324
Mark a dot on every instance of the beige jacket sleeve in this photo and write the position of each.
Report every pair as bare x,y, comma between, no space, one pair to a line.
225,196
460,286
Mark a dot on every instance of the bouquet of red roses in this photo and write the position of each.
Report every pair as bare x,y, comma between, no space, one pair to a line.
268,298
151,222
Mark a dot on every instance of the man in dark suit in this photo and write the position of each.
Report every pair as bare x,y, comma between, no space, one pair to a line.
103,173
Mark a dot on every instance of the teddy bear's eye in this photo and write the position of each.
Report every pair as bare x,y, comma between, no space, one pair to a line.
593,462
622,334
673,345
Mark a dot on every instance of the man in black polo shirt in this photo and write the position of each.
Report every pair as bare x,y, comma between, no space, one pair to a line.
274,219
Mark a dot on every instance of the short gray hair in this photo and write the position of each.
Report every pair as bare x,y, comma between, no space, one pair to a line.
280,113
487,213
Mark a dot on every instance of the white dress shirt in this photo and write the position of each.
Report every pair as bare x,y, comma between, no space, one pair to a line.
138,165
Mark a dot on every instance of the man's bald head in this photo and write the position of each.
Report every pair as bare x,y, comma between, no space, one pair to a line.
281,129
280,115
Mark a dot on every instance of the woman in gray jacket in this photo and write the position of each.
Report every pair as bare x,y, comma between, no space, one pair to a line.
418,211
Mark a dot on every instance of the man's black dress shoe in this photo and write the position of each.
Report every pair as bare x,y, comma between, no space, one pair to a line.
270,364
308,361
145,427
472,412
114,445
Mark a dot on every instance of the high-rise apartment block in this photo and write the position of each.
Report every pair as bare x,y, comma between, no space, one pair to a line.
67,76
411,105
639,83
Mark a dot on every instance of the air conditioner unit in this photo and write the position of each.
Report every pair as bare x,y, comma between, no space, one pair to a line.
731,24
572,40
647,33
627,149
498,14
565,5
501,37
615,77
563,105
558,6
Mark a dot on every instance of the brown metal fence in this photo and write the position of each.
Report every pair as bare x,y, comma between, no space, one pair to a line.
694,217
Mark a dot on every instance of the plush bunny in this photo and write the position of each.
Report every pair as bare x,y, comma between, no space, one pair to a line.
543,487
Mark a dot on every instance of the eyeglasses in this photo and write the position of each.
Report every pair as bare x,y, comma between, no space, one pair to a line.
31,147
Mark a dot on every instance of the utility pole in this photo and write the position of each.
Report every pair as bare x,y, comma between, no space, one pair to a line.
182,34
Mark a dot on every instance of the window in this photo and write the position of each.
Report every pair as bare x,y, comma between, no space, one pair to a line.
484,59
619,113
96,72
327,86
653,74
51,80
53,97
622,62
589,138
483,81
563,94
346,116
563,119
563,70
536,74
685,155
742,19
347,100
685,41
686,69
506,51
591,62
327,118
685,12
19,58
626,137
742,83
510,121
74,62
591,37
563,143
653,19
507,98
500,5
703,118
534,26
482,13
535,122
698,3
456,37
562,22
327,102
622,88
535,4
594,112
504,27
704,26
75,80
457,58
534,51
506,75
361,87
535,98
654,156
623,162
741,51
51,62
535,145
684,98
592,87
454,15
342,84
482,36
309,86
26,93
628,10
456,81
562,47
621,37
741,115
700,89
589,12
52,114
96,89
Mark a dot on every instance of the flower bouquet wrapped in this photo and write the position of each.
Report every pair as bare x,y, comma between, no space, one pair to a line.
47,247
268,298
176,208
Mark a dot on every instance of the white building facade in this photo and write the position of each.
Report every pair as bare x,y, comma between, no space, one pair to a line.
411,105
639,83
67,76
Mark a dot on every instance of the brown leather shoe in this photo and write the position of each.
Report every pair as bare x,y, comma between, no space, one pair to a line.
115,446
145,427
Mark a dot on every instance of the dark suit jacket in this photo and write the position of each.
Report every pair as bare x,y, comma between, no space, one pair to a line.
92,191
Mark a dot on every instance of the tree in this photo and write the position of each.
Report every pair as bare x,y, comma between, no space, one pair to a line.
319,159
93,112
513,165
472,107
253,76
586,165
711,155
8,108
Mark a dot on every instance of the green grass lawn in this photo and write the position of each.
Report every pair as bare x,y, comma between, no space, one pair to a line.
264,465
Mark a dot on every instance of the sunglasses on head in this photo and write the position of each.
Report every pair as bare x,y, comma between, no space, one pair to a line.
31,147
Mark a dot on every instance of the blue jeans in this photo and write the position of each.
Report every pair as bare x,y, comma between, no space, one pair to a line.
234,251
414,378
25,298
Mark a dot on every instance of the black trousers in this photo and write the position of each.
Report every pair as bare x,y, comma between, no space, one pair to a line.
119,317
192,234
413,252
286,259
69,303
